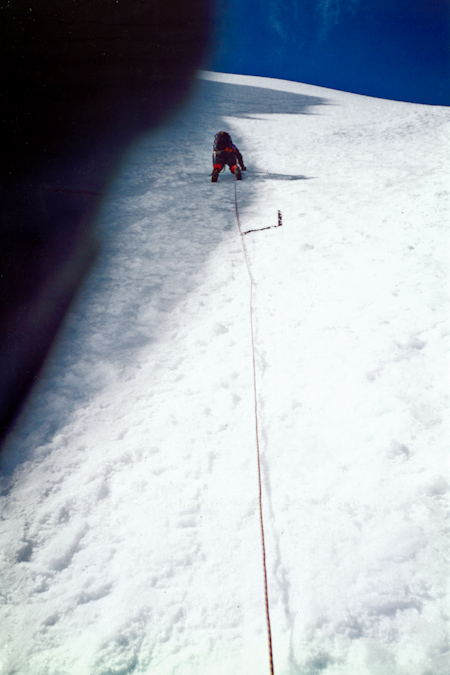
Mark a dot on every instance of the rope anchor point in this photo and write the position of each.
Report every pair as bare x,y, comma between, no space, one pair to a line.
260,229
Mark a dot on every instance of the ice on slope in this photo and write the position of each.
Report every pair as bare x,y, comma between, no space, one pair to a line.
130,531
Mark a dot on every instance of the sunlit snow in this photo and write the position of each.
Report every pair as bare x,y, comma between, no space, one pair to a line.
130,538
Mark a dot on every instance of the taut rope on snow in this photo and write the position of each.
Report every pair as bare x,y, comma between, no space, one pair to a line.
266,592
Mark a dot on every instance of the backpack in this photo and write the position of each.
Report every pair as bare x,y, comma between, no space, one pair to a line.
222,140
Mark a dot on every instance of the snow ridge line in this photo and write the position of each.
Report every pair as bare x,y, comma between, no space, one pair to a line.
266,593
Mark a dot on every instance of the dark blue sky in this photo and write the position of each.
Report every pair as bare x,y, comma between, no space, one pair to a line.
398,49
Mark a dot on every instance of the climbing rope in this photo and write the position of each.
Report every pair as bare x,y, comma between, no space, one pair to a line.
266,593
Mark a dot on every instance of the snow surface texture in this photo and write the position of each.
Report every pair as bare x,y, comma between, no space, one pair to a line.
130,538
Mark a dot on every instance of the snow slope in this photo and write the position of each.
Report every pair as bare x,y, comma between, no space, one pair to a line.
130,526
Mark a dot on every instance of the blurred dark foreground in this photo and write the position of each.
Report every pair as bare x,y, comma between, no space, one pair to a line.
80,79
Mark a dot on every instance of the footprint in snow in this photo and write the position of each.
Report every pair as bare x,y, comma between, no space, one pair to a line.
220,329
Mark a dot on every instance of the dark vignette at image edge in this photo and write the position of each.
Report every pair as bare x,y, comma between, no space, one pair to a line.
80,81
